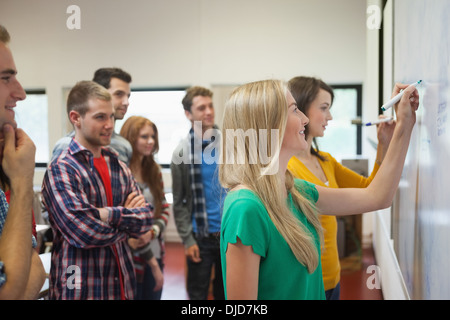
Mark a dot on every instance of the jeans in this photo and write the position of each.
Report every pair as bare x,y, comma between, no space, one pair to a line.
199,274
334,294
144,290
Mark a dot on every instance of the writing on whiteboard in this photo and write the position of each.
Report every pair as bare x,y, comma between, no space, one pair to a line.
441,118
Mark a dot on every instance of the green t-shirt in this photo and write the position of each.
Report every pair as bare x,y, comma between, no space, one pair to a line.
281,276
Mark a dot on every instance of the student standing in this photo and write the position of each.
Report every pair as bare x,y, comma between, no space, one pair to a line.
21,272
197,195
271,234
117,82
314,98
94,204
149,258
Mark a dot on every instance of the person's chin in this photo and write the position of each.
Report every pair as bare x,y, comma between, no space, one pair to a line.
13,123
119,115
105,141
208,125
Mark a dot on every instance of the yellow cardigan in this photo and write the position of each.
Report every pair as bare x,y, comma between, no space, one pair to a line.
338,177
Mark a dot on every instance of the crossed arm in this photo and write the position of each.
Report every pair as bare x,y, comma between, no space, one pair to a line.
83,224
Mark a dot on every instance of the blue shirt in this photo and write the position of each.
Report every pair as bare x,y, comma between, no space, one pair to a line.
214,196
213,192
3,212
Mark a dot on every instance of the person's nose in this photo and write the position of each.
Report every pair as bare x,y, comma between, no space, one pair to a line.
126,101
305,119
329,116
110,123
18,93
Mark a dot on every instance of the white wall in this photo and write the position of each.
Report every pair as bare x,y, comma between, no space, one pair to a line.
165,43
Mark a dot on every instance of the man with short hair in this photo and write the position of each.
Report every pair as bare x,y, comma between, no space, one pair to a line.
198,196
117,82
21,272
94,204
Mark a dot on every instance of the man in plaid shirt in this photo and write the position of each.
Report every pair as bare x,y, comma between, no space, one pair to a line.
94,204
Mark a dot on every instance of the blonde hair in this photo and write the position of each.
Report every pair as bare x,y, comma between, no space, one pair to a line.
263,105
4,35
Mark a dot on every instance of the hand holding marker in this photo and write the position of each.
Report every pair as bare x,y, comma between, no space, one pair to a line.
397,98
384,107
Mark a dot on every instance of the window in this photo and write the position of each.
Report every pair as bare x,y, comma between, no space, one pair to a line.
32,117
163,107
342,138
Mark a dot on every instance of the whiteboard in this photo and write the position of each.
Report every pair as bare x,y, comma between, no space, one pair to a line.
422,232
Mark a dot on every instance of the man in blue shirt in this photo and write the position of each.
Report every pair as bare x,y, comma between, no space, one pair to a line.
198,196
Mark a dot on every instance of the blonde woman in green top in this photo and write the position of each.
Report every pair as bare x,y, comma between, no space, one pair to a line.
271,234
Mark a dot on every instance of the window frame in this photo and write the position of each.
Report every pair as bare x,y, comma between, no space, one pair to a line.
358,88
39,91
146,89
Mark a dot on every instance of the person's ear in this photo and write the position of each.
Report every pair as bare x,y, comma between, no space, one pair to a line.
75,118
188,115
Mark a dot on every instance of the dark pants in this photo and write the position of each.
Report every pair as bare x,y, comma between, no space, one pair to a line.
199,274
333,294
144,290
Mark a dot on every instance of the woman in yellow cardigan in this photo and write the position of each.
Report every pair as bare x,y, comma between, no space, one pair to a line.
314,98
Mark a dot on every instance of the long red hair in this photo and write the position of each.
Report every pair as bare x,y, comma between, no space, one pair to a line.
150,170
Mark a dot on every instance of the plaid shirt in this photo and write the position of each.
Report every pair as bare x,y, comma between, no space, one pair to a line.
4,208
3,213
83,260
